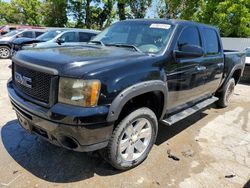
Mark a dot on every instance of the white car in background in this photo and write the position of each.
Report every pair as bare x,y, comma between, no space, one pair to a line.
248,56
246,74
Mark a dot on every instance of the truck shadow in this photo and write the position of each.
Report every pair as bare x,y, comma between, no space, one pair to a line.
166,132
49,162
55,164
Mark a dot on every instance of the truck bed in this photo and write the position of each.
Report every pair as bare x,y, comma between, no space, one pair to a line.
233,59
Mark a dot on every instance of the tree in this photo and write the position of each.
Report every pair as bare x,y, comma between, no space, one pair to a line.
30,9
121,9
139,7
77,11
168,9
88,15
231,16
91,14
173,9
55,13
107,13
21,11
8,14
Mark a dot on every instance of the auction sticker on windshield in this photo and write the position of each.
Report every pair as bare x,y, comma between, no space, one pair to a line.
160,26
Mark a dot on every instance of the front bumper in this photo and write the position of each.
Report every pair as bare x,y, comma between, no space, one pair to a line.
75,128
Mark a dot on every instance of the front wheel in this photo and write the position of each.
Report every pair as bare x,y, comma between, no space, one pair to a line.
227,93
4,52
132,139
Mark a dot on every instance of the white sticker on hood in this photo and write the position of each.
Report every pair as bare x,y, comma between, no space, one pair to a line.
160,26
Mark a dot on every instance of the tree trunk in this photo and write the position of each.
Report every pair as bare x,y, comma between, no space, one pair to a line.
121,9
88,16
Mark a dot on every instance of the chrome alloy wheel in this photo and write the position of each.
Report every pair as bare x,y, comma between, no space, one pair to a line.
135,139
4,52
230,92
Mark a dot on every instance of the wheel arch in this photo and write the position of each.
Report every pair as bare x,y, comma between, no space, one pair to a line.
235,73
6,44
154,88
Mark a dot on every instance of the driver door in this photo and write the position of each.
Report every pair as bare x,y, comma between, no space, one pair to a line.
186,74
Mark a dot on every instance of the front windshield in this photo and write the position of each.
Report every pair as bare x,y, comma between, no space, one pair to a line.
148,37
49,35
12,33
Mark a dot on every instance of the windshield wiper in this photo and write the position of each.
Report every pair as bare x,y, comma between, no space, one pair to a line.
125,45
97,42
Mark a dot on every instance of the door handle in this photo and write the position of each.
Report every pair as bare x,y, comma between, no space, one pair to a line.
220,65
201,68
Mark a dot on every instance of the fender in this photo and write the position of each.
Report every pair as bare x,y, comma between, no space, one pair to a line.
235,68
5,43
135,90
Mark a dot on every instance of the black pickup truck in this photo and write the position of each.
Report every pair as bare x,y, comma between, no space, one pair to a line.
111,93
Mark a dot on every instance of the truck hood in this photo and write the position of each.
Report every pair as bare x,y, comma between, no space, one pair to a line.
78,60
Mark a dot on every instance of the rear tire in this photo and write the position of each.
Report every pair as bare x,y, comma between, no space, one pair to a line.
226,94
132,139
4,52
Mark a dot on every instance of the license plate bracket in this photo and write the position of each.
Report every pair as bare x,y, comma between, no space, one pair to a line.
24,122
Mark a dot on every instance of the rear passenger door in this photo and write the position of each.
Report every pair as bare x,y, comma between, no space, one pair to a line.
213,59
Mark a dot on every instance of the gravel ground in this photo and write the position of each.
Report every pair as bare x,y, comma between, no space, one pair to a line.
209,149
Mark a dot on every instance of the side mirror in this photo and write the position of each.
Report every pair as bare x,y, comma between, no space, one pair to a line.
19,36
189,51
60,41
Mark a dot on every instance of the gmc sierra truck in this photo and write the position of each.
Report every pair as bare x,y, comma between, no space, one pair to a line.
111,93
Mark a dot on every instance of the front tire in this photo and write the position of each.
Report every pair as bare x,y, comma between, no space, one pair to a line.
132,139
227,93
4,52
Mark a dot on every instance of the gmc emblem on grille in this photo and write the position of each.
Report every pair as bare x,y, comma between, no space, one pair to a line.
25,81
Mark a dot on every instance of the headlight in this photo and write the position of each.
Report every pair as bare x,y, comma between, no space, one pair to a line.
79,92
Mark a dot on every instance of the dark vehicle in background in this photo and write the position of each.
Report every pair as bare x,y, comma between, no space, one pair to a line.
7,28
111,93
7,39
55,38
246,74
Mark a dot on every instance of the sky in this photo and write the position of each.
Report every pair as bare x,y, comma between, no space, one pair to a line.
152,11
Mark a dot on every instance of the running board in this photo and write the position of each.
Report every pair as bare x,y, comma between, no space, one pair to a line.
189,111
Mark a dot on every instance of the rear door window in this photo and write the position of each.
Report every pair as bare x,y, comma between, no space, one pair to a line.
27,34
211,41
85,37
69,37
38,33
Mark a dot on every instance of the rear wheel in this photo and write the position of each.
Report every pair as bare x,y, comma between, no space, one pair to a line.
132,139
4,52
226,95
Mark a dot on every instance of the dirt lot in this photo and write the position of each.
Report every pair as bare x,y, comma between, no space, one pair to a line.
212,149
